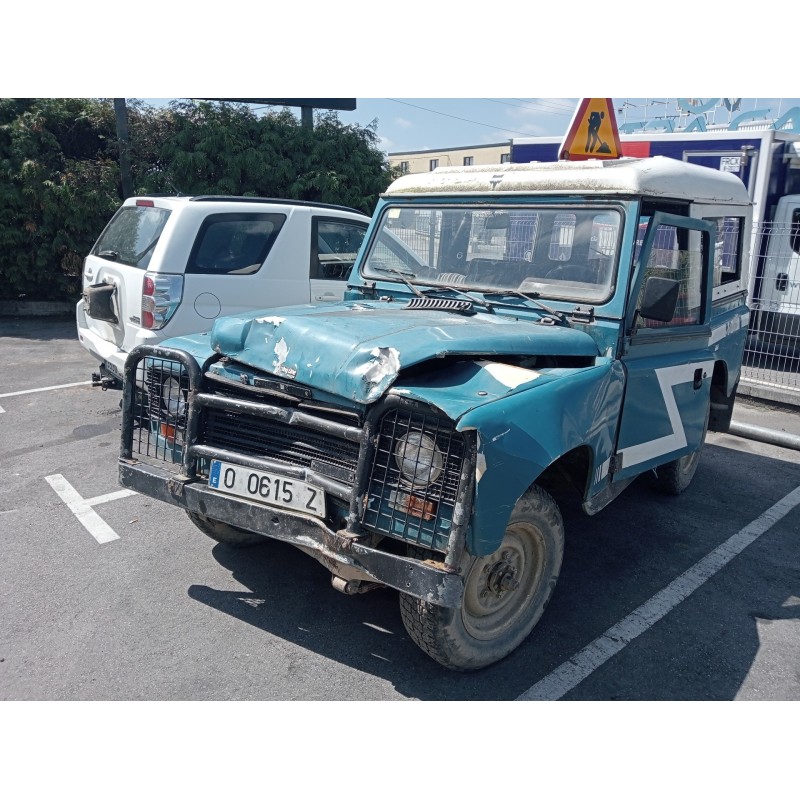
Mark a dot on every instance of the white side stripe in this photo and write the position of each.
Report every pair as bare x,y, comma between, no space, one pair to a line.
668,378
566,677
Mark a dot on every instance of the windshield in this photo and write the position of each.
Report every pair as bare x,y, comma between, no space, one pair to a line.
560,252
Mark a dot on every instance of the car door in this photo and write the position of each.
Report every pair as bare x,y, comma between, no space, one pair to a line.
668,364
334,246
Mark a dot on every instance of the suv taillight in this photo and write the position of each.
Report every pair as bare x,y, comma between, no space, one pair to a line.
161,296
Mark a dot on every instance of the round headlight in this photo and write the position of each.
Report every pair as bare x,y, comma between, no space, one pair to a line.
418,458
173,397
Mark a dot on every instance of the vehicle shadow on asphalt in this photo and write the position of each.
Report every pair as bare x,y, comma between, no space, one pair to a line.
613,563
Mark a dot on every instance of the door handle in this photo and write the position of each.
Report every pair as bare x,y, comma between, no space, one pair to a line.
327,296
698,379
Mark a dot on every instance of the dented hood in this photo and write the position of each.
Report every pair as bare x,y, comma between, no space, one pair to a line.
357,349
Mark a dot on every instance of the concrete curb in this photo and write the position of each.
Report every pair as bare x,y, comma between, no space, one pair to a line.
771,392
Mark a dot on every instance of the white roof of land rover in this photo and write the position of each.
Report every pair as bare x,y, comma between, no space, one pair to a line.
653,177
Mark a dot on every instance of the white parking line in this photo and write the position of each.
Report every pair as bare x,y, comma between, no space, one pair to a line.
45,389
82,509
566,677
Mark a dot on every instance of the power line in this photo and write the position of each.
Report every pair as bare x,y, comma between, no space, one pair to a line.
557,111
460,119
562,106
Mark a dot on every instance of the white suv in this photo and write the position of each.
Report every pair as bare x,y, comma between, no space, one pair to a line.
168,266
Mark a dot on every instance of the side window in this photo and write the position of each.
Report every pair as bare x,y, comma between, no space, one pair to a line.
727,248
234,244
334,246
677,254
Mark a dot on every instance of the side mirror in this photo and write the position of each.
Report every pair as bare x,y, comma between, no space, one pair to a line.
659,299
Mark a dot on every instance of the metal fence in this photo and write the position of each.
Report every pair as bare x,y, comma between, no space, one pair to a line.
772,354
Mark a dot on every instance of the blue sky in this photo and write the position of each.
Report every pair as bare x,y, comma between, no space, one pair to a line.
408,124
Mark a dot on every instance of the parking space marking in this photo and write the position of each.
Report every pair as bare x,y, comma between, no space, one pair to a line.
107,498
572,672
46,388
82,508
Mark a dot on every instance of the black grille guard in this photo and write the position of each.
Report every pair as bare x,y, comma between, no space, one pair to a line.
437,582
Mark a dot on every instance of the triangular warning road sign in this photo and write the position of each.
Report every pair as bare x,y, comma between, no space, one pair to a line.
593,132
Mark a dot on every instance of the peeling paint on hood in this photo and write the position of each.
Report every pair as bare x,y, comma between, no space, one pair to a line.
357,351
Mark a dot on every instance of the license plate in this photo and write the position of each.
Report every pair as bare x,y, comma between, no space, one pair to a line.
266,487
112,369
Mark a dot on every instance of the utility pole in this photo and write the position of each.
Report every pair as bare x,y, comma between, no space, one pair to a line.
121,114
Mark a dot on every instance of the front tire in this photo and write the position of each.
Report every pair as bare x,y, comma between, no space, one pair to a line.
224,533
505,593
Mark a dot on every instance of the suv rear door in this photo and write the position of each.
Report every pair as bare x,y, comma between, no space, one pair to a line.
119,259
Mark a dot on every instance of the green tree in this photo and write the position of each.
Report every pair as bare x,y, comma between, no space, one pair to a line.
60,183
225,148
58,188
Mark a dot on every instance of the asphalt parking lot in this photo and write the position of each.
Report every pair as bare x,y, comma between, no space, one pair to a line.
108,595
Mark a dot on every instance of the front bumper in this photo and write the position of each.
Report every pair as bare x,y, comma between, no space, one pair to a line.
436,585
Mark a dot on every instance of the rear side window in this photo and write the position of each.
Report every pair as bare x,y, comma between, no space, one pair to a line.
334,247
728,249
234,244
132,235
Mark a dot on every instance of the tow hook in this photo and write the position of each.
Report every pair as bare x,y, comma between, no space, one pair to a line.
102,381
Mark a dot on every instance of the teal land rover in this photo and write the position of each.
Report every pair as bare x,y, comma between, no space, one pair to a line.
513,338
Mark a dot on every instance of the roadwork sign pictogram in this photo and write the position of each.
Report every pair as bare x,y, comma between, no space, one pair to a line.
593,132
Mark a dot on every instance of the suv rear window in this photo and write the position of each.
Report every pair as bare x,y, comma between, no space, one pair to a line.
234,244
132,235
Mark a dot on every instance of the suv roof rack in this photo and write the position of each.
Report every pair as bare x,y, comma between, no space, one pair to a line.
282,201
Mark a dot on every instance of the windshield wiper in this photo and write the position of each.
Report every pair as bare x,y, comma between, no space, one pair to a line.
559,316
110,255
139,256
404,276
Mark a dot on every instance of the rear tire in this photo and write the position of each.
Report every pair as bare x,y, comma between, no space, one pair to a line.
505,593
224,533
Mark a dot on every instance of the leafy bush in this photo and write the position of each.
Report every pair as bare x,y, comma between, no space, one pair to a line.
60,179
58,188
